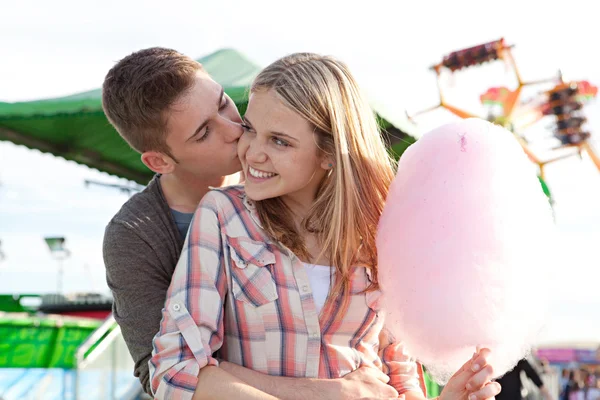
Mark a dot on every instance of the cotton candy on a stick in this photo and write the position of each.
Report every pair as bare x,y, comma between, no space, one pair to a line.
465,246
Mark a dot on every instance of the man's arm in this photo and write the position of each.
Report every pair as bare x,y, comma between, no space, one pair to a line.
139,287
280,387
214,383
365,382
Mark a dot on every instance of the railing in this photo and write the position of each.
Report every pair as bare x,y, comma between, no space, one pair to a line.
105,367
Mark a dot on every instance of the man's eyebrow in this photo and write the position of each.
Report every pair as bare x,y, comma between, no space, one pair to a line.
203,125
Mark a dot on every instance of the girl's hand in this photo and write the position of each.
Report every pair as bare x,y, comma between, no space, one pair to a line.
473,380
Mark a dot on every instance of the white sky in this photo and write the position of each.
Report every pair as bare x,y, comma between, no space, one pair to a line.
50,49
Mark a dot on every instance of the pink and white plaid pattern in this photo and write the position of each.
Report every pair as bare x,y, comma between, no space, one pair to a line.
238,293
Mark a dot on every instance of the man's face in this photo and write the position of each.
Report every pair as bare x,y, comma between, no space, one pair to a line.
203,130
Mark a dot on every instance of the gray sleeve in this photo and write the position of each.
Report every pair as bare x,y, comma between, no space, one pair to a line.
139,287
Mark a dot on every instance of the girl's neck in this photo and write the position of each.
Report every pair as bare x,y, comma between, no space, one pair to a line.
314,249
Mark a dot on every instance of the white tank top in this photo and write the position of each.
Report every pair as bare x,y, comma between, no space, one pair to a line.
319,277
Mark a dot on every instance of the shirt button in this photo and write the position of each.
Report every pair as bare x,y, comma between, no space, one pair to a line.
305,288
176,307
315,335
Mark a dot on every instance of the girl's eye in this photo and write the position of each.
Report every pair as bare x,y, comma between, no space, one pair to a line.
246,127
280,142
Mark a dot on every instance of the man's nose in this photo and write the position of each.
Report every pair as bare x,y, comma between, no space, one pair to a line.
232,131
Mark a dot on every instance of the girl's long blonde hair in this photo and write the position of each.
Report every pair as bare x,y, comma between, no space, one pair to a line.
350,199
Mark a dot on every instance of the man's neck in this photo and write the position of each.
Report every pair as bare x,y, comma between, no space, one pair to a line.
184,193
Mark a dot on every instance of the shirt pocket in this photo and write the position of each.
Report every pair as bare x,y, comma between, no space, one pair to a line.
252,282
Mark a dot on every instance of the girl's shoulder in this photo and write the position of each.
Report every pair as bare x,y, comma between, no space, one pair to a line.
224,196
233,206
233,191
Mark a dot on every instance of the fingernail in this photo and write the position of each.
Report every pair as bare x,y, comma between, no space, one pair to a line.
469,387
472,397
475,367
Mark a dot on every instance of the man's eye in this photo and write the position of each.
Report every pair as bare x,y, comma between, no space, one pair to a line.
224,102
203,137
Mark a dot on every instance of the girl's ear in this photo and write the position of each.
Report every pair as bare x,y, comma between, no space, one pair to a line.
327,163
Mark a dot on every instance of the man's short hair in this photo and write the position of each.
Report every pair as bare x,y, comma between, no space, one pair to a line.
139,91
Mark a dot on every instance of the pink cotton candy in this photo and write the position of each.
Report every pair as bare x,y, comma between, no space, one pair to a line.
465,246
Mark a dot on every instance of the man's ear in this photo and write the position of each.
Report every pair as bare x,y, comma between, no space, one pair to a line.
158,162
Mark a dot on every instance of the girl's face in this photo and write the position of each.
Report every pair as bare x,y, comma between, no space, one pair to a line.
279,153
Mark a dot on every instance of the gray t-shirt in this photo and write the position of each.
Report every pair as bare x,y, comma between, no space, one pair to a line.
182,220
142,244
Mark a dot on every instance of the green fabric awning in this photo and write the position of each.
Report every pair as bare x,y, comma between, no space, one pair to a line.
75,127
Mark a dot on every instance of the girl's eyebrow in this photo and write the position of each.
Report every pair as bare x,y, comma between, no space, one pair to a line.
247,121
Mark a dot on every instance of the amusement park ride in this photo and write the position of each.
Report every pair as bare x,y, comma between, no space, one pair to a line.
564,101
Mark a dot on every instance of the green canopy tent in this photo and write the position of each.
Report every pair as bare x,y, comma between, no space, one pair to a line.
75,127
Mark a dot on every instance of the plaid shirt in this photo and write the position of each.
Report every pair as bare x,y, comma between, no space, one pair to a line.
237,292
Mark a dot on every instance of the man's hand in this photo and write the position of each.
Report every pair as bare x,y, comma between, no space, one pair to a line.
364,383
473,380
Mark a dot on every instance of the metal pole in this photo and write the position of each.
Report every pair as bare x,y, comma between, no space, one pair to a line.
113,372
59,280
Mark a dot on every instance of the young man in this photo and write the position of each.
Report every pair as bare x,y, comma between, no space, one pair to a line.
186,128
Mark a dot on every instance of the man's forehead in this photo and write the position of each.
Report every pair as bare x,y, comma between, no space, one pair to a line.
202,97
195,107
206,86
